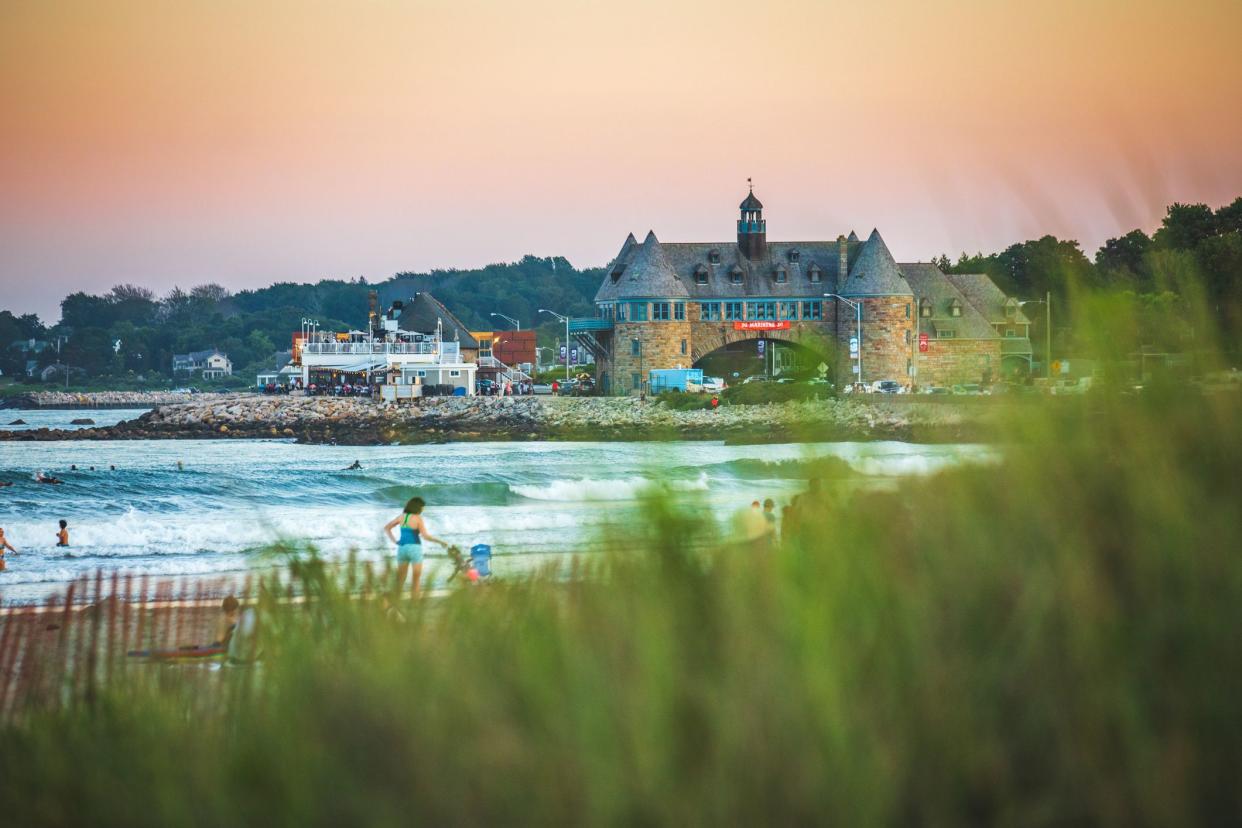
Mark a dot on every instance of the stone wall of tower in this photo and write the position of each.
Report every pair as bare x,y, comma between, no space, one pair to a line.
887,338
951,361
661,347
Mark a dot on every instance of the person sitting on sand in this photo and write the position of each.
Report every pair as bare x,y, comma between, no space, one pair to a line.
410,546
230,611
62,537
4,544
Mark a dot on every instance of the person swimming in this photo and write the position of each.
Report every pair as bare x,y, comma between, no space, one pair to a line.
355,466
62,537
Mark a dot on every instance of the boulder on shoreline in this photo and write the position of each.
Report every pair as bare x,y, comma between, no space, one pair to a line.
86,421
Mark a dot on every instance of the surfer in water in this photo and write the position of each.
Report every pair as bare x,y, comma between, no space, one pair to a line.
40,477
4,545
410,545
62,537
354,466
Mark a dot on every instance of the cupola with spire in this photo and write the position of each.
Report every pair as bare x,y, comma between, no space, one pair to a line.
752,230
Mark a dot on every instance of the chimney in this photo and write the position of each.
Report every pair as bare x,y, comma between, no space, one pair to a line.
843,261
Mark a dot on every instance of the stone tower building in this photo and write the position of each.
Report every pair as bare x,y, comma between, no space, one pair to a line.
668,305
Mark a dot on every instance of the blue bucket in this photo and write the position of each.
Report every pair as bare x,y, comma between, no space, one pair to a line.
481,559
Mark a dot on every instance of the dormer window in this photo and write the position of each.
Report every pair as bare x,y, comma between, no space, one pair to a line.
794,255
1011,307
816,275
713,256
735,275
617,271
925,308
955,308
700,274
780,275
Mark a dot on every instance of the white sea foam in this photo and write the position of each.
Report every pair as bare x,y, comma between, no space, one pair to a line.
616,489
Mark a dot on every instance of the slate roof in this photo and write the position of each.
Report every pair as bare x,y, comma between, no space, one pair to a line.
874,272
758,278
642,271
986,297
422,311
928,282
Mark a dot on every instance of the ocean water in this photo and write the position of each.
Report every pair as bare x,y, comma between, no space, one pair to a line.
63,418
229,499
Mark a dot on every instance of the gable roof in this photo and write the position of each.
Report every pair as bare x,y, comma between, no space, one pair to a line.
875,272
422,311
929,283
981,292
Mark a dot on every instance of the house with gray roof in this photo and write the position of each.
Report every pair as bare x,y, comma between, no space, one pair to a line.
845,302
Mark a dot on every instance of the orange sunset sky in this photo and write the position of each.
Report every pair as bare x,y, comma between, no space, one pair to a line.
168,143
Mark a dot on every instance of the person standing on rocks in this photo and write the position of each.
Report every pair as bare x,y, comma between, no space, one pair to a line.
410,544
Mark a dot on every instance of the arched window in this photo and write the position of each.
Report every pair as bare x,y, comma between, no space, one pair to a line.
735,275
713,256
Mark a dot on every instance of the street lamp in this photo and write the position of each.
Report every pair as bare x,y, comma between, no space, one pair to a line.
64,366
564,319
1047,303
857,306
517,326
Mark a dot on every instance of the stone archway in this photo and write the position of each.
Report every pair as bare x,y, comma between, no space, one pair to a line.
733,346
709,338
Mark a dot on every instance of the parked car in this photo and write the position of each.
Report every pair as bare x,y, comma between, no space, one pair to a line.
887,387
541,388
1063,387
714,385
754,378
818,381
935,389
969,389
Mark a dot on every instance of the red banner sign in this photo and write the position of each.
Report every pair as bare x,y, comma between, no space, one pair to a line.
761,325
923,343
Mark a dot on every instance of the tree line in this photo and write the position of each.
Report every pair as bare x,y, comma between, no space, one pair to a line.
251,326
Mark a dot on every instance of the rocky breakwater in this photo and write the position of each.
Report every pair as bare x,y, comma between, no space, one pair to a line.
102,399
828,419
352,421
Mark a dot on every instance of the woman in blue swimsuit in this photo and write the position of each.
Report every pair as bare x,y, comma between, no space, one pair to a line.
410,544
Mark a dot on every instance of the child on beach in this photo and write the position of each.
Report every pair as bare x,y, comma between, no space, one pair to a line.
62,537
230,611
4,545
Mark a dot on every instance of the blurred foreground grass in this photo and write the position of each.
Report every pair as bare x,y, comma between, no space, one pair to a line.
1051,639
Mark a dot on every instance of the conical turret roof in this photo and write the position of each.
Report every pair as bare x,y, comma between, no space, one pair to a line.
751,203
875,272
644,272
